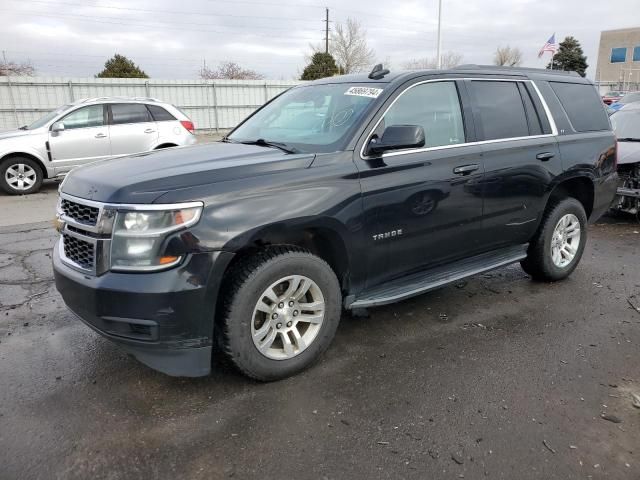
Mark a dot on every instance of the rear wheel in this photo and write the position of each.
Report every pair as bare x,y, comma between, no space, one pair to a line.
282,309
559,243
20,176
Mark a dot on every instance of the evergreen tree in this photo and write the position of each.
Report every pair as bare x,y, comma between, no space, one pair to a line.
322,65
570,57
121,67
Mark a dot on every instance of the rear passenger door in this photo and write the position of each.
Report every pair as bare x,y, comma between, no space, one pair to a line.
131,128
520,154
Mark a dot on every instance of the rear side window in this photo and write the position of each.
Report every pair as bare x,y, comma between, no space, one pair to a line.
500,109
129,113
159,114
583,106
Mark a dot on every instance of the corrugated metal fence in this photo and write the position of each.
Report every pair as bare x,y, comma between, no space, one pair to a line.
211,104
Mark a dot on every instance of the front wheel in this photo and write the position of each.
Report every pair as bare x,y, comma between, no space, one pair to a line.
20,176
282,309
556,249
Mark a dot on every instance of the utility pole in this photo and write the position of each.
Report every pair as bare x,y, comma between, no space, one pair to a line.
326,32
439,52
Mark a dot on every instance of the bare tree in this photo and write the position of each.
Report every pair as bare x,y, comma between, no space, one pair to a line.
230,71
508,56
13,69
449,60
349,47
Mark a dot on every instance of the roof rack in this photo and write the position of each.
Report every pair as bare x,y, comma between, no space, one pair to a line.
515,69
100,99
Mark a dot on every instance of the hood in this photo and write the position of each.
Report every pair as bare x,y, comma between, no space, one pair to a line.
145,177
14,133
628,152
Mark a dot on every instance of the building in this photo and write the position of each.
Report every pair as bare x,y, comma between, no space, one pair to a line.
619,60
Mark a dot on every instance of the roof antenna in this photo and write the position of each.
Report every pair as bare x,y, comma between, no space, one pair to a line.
378,72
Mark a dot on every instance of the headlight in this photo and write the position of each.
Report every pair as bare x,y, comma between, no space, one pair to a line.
139,236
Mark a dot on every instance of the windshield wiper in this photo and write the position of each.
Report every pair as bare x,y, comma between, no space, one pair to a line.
266,143
24,127
629,139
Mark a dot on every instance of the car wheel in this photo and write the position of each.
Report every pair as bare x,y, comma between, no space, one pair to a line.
20,176
282,307
556,249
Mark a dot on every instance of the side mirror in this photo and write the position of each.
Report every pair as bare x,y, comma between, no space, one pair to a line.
398,137
57,127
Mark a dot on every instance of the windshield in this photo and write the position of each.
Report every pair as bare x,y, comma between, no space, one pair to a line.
630,98
315,118
626,124
42,121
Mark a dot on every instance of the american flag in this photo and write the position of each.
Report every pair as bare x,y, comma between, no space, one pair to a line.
550,46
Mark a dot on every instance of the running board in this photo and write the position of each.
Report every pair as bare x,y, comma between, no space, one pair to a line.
421,282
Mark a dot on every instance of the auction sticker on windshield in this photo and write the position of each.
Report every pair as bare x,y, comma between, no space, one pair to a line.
364,92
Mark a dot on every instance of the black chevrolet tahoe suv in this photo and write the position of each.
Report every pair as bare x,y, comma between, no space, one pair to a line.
343,193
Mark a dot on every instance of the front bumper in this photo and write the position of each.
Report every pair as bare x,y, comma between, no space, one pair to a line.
165,319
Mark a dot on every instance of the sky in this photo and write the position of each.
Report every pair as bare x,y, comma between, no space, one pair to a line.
171,40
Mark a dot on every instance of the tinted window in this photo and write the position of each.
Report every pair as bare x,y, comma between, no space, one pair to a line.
636,54
535,128
500,109
433,106
130,113
91,116
159,114
618,55
583,106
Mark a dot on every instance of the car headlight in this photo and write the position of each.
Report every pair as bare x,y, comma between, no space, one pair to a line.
139,236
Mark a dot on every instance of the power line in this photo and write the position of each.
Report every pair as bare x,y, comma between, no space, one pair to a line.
174,12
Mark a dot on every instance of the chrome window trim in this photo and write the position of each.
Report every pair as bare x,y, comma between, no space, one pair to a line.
547,111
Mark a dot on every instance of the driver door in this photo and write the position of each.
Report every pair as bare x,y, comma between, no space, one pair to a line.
85,138
423,206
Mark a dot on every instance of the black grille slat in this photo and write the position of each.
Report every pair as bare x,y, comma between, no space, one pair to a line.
83,214
79,251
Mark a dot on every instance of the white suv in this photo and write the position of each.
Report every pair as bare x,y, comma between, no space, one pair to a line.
86,131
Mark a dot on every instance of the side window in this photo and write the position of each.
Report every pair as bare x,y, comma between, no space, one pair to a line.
500,109
129,113
583,106
91,116
159,114
435,107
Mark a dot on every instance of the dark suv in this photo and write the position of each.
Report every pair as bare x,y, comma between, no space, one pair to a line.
347,192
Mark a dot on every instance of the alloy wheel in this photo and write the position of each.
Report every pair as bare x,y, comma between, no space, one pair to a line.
565,240
20,176
287,317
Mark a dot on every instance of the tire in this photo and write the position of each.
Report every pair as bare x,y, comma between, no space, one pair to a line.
20,176
248,312
540,262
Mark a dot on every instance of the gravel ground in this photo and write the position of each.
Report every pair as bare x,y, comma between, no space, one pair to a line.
497,377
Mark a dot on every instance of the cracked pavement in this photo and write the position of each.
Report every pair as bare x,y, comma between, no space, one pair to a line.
494,377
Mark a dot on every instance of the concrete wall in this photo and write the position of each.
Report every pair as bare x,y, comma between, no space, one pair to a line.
620,76
211,104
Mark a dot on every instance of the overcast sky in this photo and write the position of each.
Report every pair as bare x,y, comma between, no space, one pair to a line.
170,39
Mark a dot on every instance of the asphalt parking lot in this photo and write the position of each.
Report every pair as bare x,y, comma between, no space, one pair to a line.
497,377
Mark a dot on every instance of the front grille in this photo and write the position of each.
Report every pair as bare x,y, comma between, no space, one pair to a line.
83,214
79,251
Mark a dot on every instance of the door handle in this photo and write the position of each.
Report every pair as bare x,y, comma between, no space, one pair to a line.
466,169
149,130
544,156
101,135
